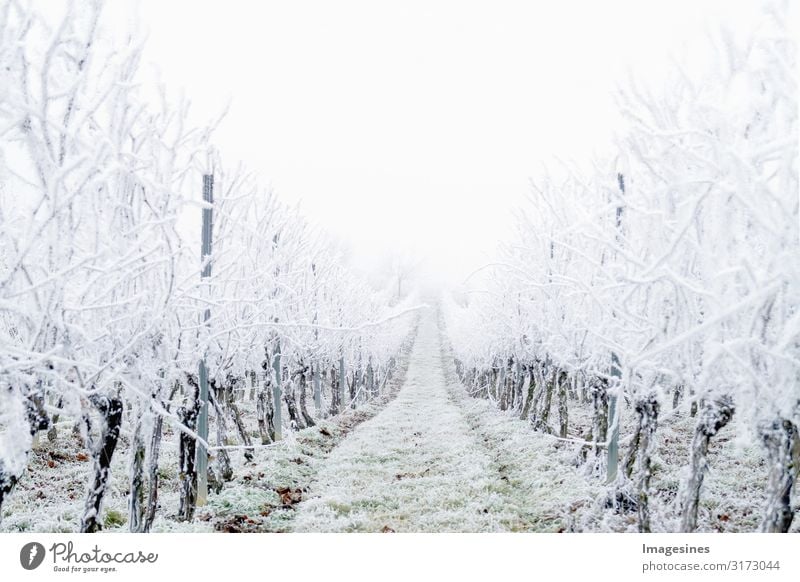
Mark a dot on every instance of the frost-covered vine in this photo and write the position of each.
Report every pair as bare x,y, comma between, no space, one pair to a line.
102,303
666,280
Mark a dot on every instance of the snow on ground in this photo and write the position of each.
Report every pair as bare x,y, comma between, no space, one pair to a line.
425,456
261,496
436,460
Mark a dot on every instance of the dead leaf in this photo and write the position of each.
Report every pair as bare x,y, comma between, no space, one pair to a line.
235,524
289,496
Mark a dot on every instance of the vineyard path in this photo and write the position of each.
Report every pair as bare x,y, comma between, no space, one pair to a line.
437,460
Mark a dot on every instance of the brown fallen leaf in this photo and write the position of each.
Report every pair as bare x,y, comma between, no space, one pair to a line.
234,524
83,457
387,529
289,496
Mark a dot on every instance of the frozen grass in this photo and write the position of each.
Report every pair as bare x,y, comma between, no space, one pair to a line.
437,460
261,496
733,494
432,459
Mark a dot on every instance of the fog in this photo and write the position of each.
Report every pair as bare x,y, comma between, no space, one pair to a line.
414,128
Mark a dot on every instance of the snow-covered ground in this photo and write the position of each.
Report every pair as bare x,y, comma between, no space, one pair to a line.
261,496
424,457
436,460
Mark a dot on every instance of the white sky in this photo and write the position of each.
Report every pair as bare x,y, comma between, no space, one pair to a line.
415,126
